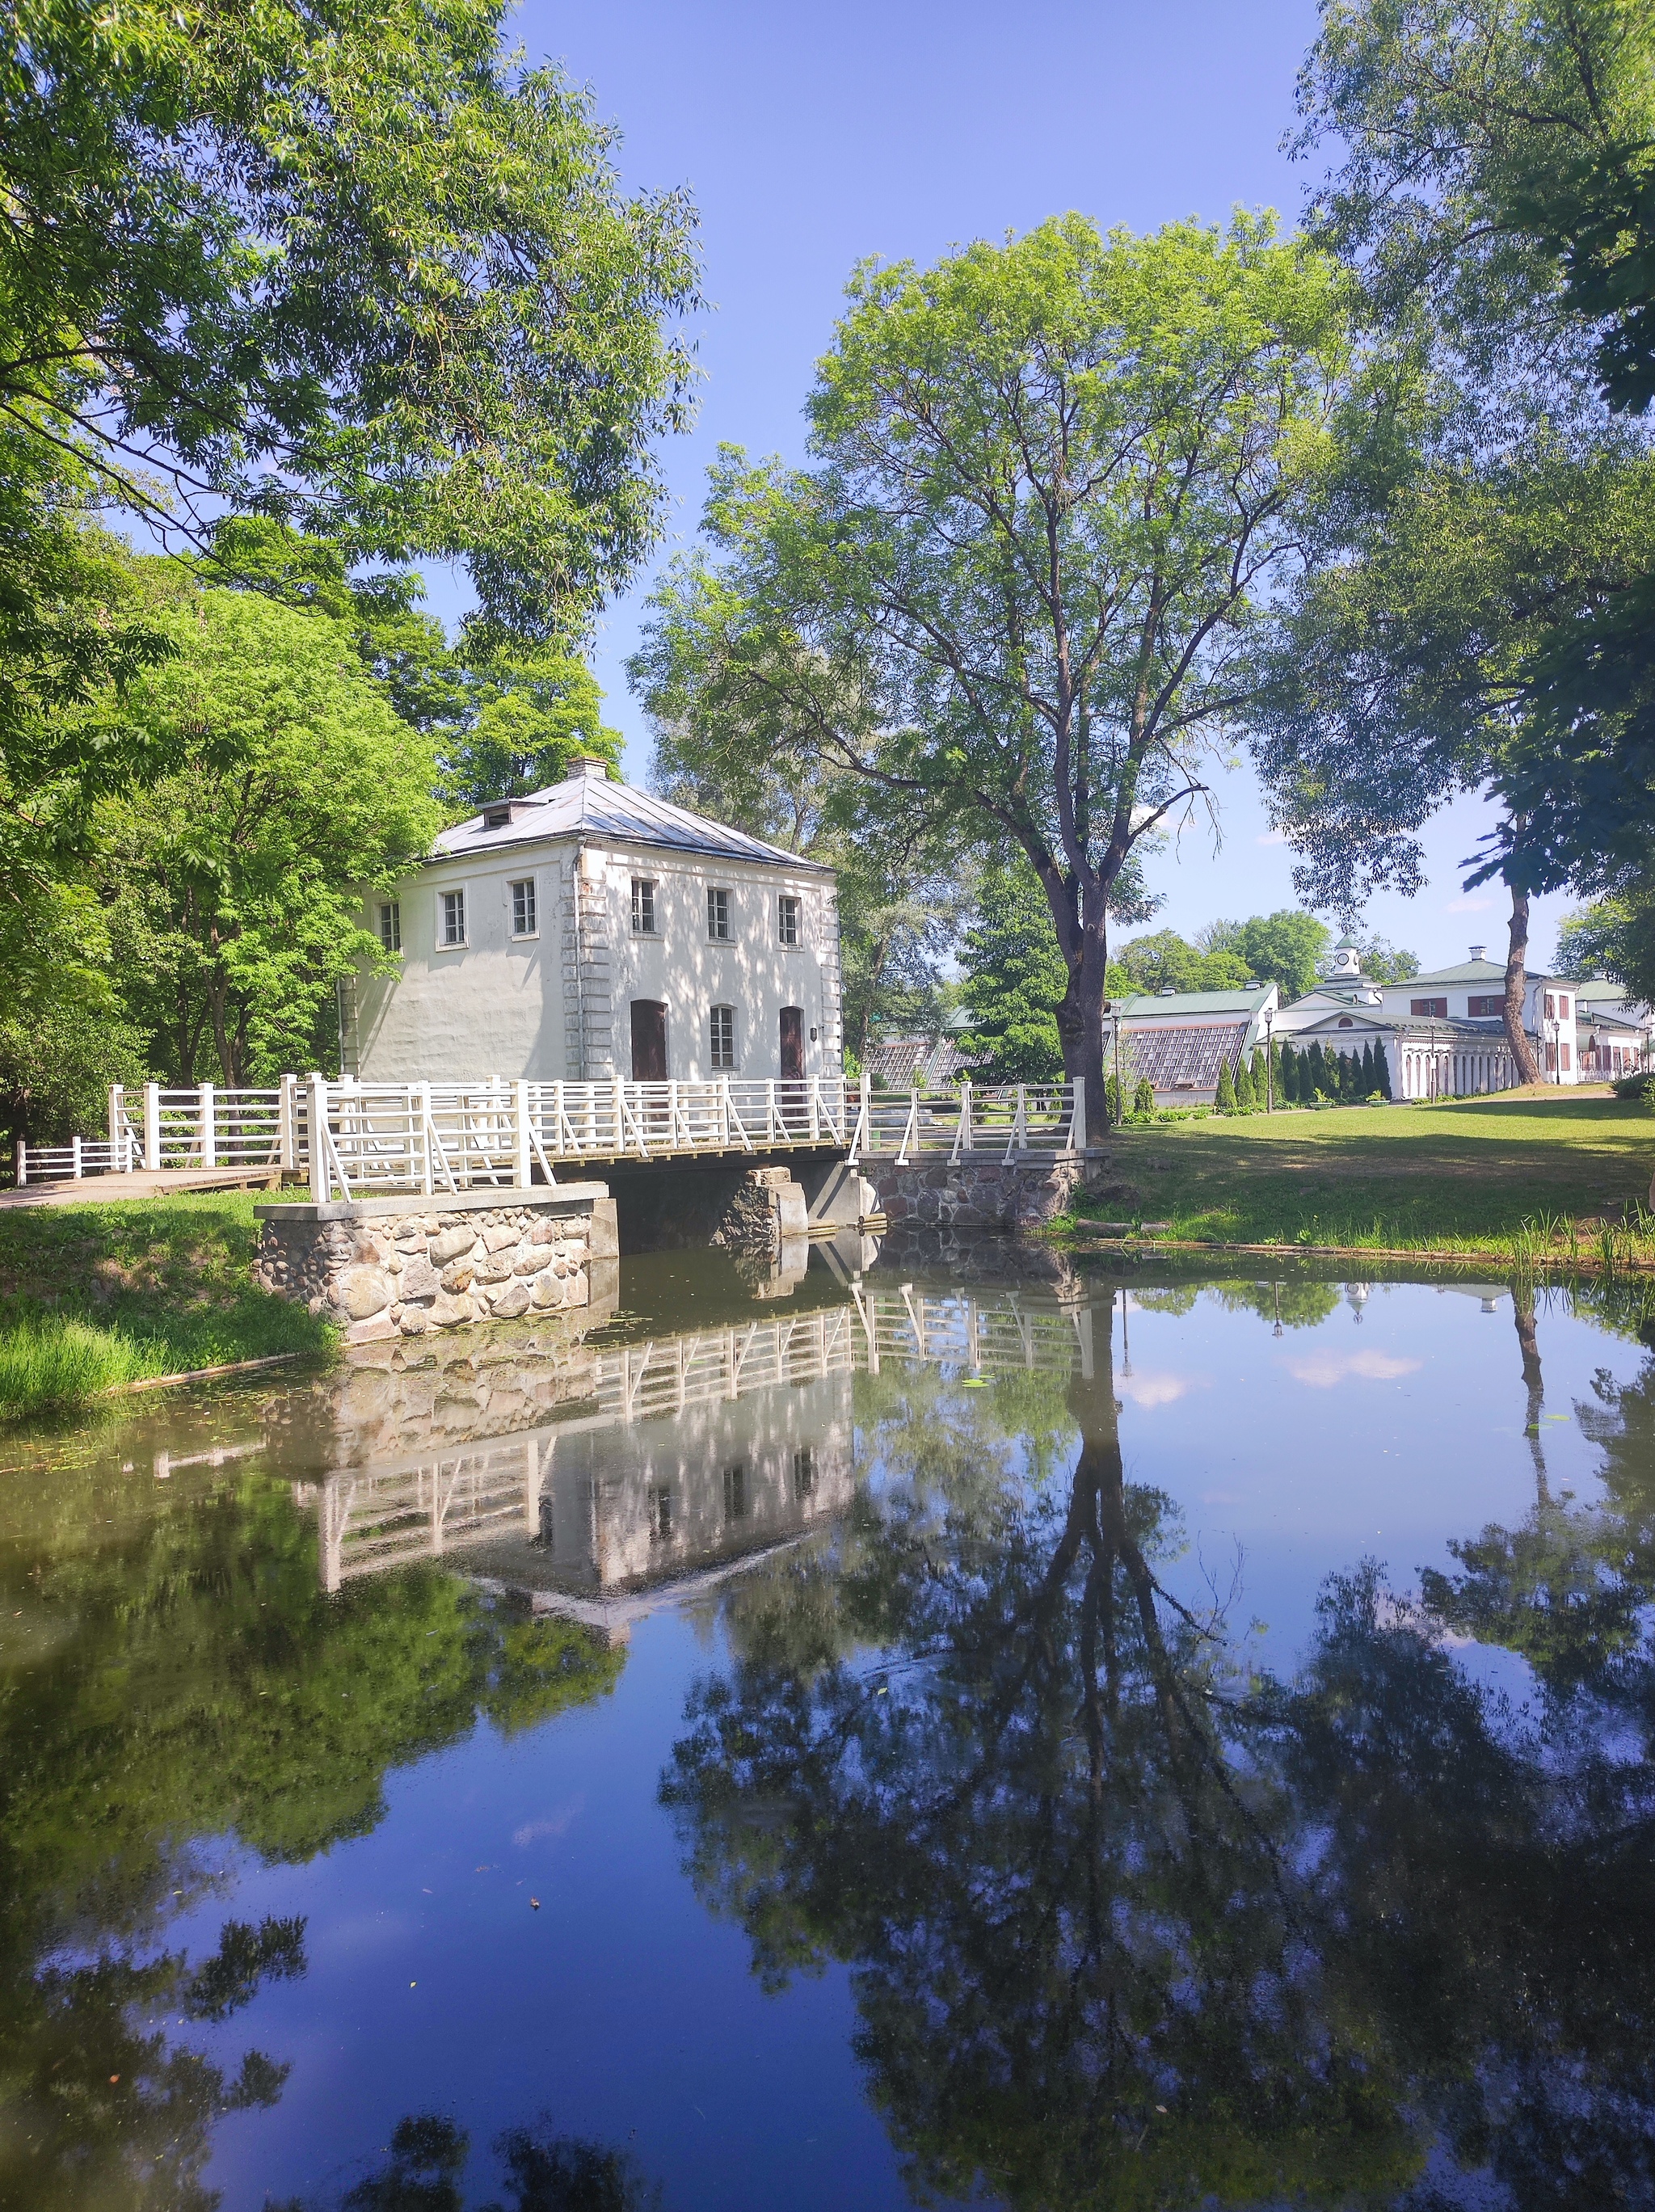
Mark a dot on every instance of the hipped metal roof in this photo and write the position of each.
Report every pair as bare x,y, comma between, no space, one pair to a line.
593,805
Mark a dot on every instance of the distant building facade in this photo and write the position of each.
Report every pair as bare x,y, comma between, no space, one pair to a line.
1443,1034
592,930
1180,1039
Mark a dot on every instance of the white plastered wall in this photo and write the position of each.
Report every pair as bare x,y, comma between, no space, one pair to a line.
558,1003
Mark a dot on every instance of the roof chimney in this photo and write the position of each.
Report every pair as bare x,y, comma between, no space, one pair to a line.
1479,952
586,764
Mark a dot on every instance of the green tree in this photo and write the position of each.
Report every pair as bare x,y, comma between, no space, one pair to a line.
236,880
1167,961
1386,963
1284,948
1143,1098
530,712
359,270
1053,482
1224,1097
1013,979
1496,178
1487,615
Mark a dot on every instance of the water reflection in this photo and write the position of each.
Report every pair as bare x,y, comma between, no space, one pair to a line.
1131,1920
1131,1914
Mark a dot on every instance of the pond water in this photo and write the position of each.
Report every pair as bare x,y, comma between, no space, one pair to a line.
992,1731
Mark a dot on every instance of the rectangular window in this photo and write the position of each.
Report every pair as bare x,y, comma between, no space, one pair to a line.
643,906
453,917
735,1493
1566,1059
1563,1013
805,1473
1437,1006
721,1037
718,916
1485,1006
523,921
1551,1059
1551,1007
787,920
391,924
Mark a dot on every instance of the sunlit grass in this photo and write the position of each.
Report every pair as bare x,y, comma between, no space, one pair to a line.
1540,1179
93,1298
54,1363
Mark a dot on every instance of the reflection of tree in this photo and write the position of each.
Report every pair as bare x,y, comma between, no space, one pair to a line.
193,1691
1295,1305
544,2172
1128,1927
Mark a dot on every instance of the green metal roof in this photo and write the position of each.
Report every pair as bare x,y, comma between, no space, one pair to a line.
1469,971
1208,1003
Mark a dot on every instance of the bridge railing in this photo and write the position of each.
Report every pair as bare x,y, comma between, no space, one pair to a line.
431,1137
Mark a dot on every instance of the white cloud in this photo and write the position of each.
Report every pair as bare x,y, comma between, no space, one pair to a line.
1272,837
1153,1389
1468,906
1324,1370
559,1824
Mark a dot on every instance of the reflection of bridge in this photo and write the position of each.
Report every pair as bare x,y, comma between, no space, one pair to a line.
1019,1329
701,1450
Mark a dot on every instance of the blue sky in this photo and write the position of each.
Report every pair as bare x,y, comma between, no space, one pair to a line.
812,136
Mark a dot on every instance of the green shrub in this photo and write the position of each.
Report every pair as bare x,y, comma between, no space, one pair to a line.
1225,1100
1143,1098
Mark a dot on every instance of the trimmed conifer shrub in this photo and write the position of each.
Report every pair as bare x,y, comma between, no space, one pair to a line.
1287,1070
1381,1071
1143,1098
1225,1099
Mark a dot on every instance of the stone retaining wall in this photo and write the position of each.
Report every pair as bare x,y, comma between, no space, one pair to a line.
397,1267
981,1193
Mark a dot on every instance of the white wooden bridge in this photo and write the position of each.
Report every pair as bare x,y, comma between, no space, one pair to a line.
352,1138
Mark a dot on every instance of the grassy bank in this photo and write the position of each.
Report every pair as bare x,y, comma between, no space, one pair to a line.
1539,1176
96,1296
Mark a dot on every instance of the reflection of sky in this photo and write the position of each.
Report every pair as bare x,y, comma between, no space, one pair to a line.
620,2005
1385,1436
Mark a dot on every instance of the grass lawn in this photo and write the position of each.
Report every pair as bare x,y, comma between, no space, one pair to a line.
1521,1173
95,1295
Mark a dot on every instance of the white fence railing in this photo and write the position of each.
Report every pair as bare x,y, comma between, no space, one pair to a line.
431,1137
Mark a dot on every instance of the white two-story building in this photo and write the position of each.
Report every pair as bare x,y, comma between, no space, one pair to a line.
592,930
1443,1034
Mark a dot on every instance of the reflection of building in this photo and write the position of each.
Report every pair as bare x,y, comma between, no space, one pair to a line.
702,1448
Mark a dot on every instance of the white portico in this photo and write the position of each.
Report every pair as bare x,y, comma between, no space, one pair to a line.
592,930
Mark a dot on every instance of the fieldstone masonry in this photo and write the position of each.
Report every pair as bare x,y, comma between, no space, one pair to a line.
981,1193
398,1267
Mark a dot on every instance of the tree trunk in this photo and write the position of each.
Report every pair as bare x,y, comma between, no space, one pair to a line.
1528,1068
1529,1347
1080,1011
